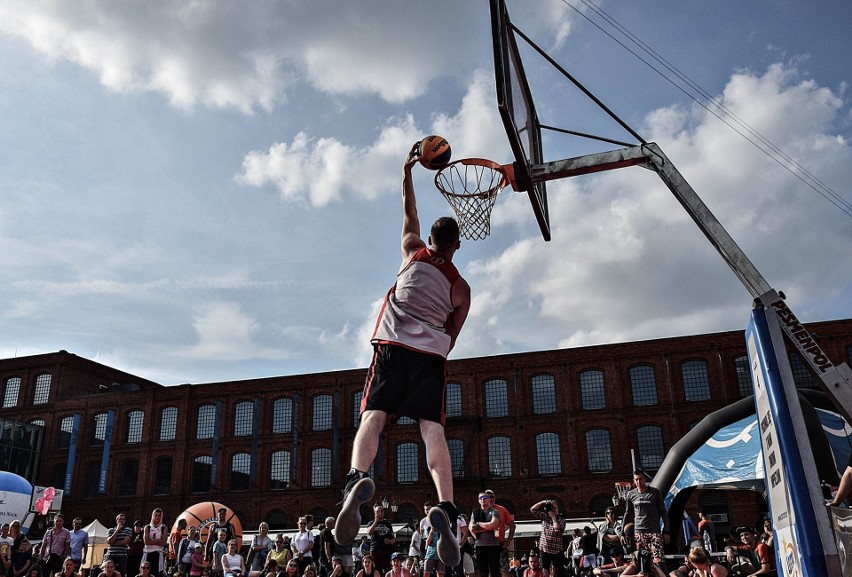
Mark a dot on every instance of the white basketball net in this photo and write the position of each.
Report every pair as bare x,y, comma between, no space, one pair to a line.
471,186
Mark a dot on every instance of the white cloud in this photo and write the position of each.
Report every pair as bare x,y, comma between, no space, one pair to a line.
243,55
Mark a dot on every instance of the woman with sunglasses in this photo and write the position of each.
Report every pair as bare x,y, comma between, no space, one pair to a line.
281,554
699,564
369,569
144,569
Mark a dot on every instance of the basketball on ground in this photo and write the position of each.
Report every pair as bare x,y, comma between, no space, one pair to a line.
435,152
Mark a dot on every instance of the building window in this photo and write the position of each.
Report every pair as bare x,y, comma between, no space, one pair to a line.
42,389
405,421
499,457
696,383
240,471
99,425
202,471
163,476
168,424
643,382
649,440
543,394
279,474
406,463
10,396
66,426
282,415
356,408
322,413
129,473
598,451
496,398
321,467
243,419
741,365
206,422
548,454
802,375
456,447
454,400
135,419
91,479
592,392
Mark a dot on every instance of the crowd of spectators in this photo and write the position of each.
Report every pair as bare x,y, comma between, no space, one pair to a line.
152,550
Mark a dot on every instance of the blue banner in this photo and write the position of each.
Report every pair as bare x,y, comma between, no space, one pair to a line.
102,480
72,453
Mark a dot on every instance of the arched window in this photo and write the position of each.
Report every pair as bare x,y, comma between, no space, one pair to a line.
592,392
548,454
202,470
407,512
279,473
643,382
598,451
456,447
127,478
696,382
499,456
741,365
282,415
599,505
406,463
66,427
10,395
42,389
240,471
168,423
99,426
496,398
649,440
322,413
454,400
321,467
243,419
543,389
163,476
206,422
135,420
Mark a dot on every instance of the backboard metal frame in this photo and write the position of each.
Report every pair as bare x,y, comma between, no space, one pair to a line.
517,111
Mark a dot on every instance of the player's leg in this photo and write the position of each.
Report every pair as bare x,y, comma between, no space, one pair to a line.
442,517
359,487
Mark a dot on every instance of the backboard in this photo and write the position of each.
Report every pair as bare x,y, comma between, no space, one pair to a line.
517,110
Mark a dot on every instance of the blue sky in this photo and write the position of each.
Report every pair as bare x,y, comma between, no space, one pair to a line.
206,191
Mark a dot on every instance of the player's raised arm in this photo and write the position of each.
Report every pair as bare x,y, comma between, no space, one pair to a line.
411,241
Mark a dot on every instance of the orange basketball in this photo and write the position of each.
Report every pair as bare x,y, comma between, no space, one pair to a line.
435,152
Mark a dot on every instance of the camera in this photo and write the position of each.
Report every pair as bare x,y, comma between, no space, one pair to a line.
547,507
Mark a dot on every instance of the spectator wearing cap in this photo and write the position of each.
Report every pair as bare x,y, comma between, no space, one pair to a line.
750,557
609,534
398,569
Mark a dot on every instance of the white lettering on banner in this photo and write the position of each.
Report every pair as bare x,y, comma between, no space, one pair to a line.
805,342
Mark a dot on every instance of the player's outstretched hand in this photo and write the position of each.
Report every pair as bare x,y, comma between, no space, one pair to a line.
413,154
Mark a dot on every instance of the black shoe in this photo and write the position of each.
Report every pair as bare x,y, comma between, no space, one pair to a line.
443,518
358,491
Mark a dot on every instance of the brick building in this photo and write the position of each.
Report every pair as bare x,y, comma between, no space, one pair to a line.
550,424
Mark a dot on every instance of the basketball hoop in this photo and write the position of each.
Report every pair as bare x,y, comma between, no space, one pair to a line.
470,186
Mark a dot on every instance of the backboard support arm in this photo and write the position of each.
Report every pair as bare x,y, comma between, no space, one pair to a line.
835,380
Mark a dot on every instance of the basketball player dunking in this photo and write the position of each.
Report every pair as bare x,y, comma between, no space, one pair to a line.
417,328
